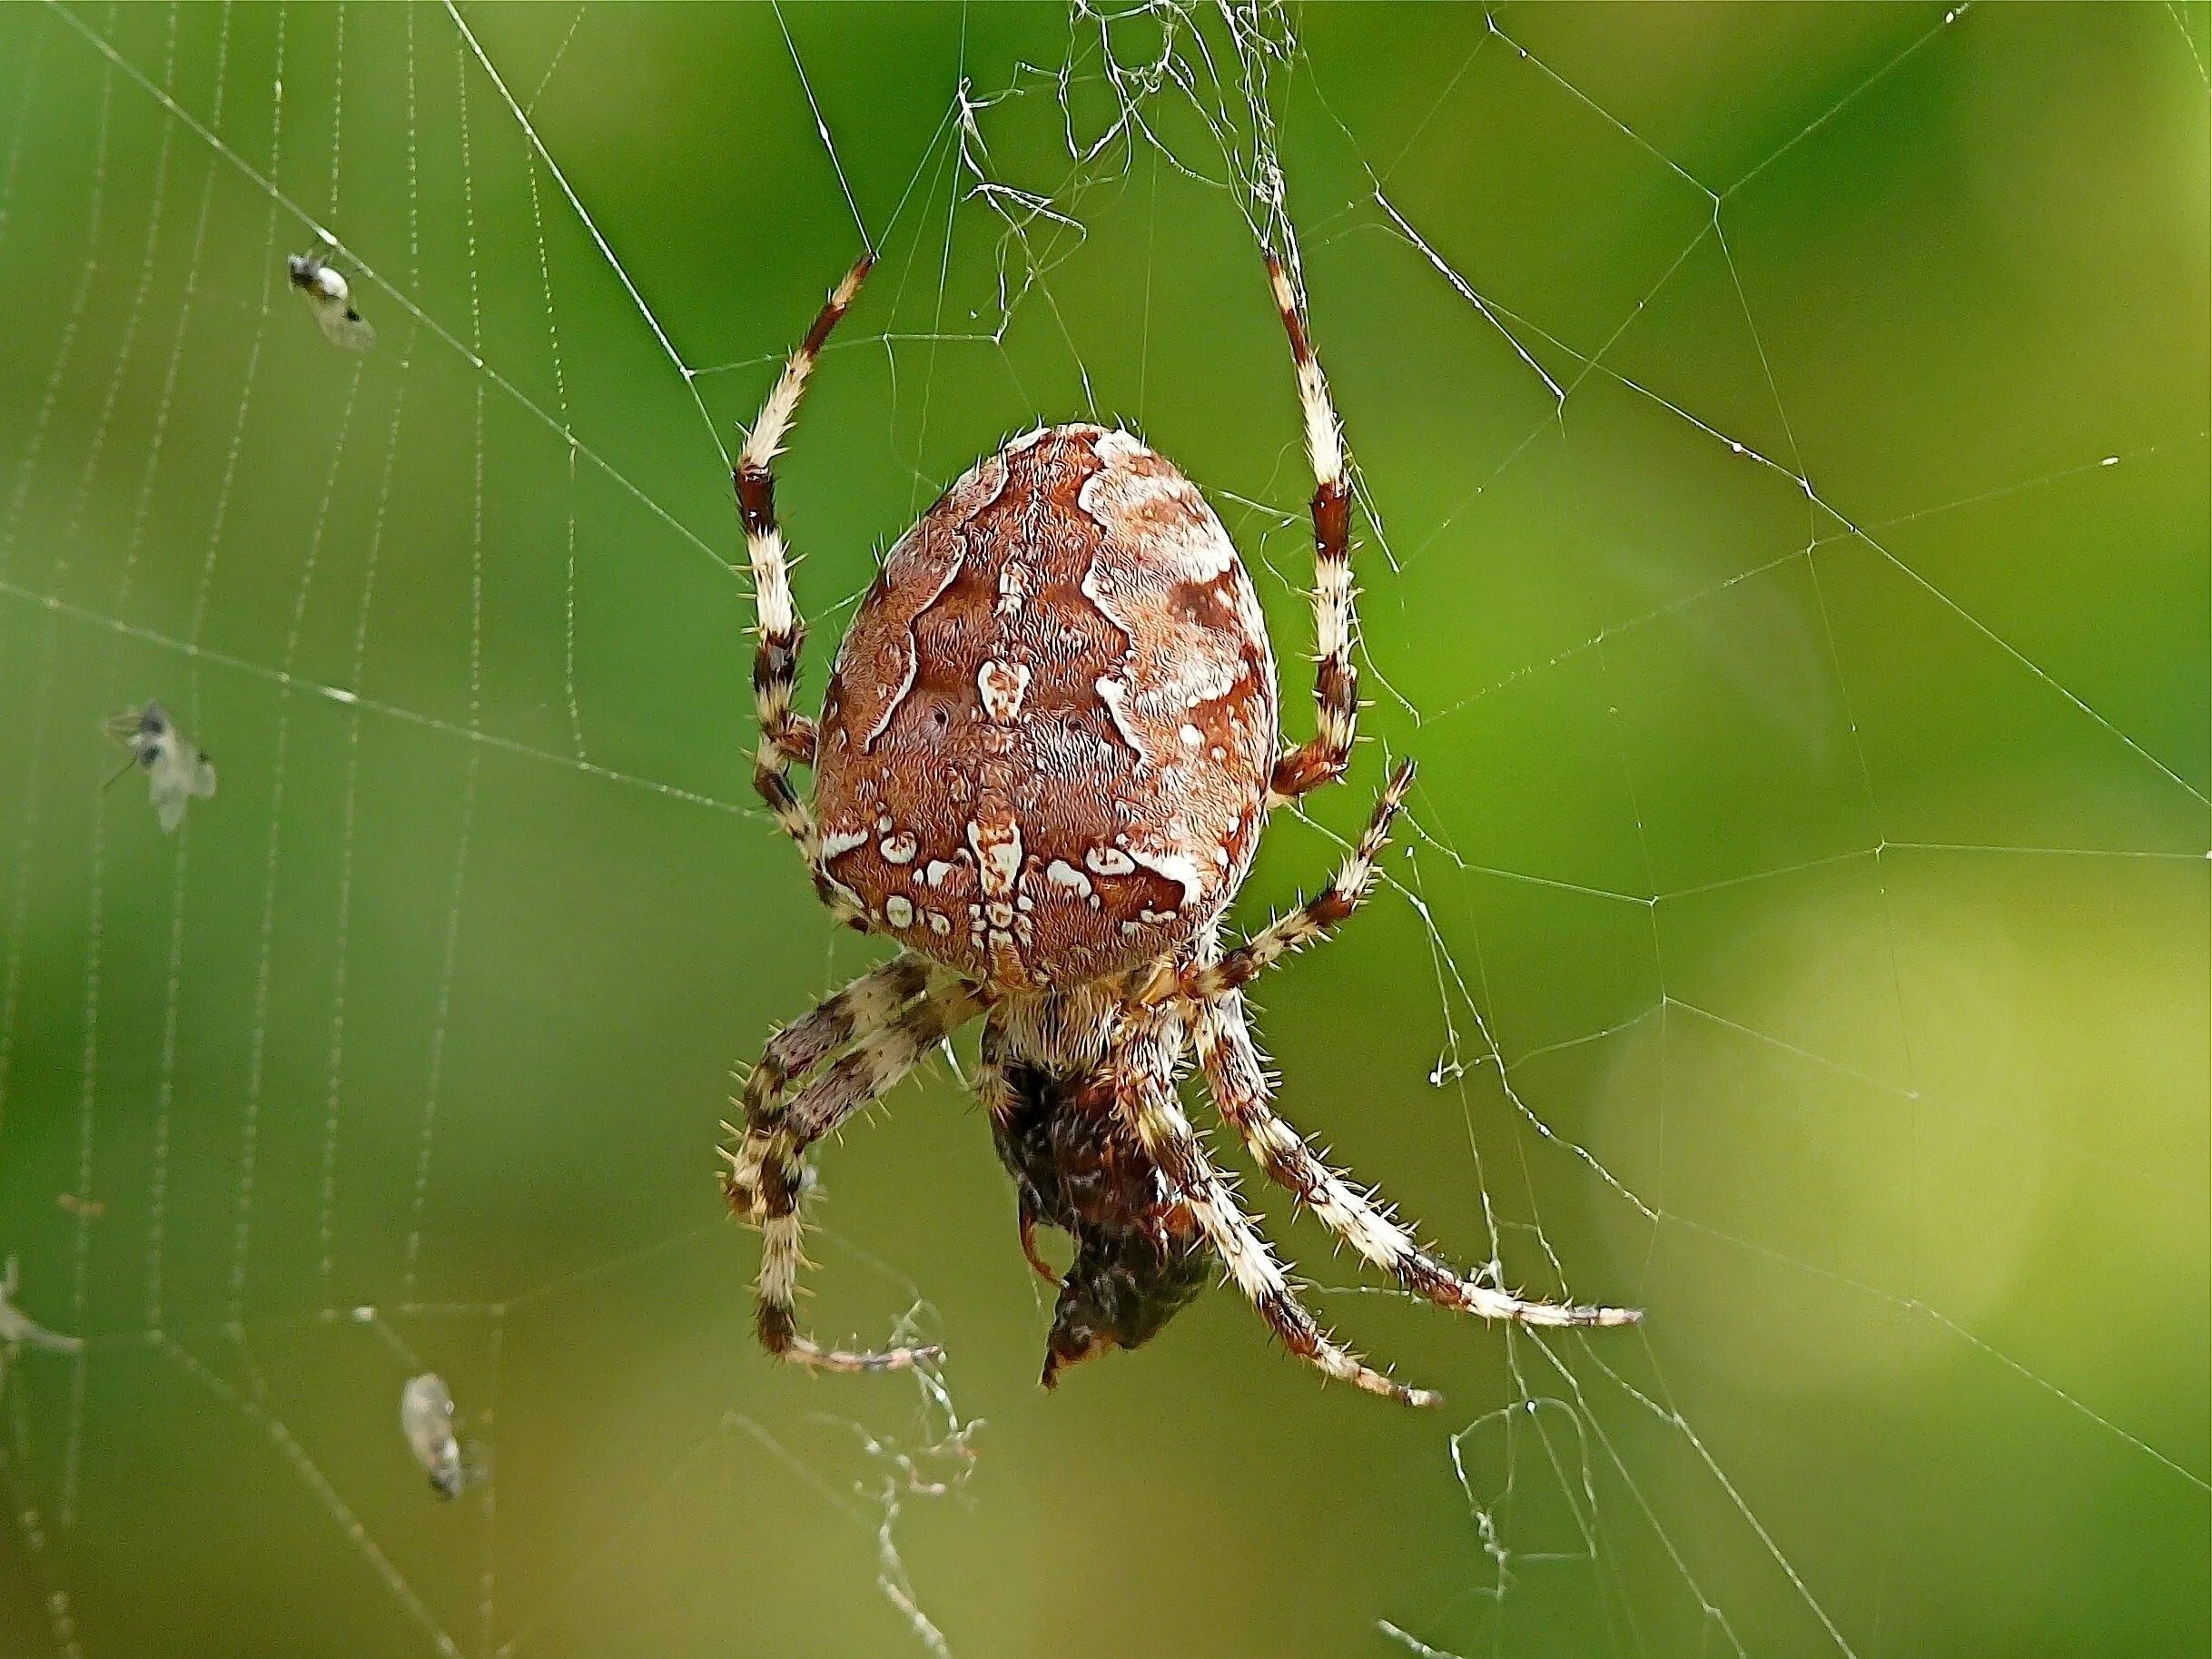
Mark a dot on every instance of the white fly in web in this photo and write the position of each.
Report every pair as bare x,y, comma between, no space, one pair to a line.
178,772
331,298
18,1329
426,1418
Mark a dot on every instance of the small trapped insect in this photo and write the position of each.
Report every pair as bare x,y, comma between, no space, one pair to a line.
18,1329
84,1208
426,1418
177,772
332,296
1049,743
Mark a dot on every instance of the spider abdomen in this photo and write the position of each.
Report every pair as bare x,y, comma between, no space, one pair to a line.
1045,749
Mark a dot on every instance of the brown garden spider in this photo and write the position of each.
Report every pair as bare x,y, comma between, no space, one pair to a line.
1047,751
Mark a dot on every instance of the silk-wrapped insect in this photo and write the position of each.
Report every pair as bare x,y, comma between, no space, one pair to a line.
331,298
426,1418
178,772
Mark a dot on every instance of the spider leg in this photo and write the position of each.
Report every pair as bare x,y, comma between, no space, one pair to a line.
868,1002
1238,1082
786,737
766,1179
1313,920
1145,1095
1335,691
882,1056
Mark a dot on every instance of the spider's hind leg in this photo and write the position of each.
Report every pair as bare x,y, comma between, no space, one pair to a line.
1145,1096
1238,1082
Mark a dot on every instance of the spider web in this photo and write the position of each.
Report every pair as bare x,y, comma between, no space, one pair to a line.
1781,441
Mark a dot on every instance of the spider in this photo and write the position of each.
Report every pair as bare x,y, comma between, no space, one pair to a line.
1046,752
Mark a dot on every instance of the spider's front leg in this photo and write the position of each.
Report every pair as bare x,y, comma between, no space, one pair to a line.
786,737
885,1021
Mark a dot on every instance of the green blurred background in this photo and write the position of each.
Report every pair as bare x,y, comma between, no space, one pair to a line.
1811,700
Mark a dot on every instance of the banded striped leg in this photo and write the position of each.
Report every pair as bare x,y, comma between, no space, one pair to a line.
1145,1096
786,737
1238,1080
1336,690
766,1180
871,1001
1316,918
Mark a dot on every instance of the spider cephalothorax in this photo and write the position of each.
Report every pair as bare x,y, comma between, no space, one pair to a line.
1042,766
